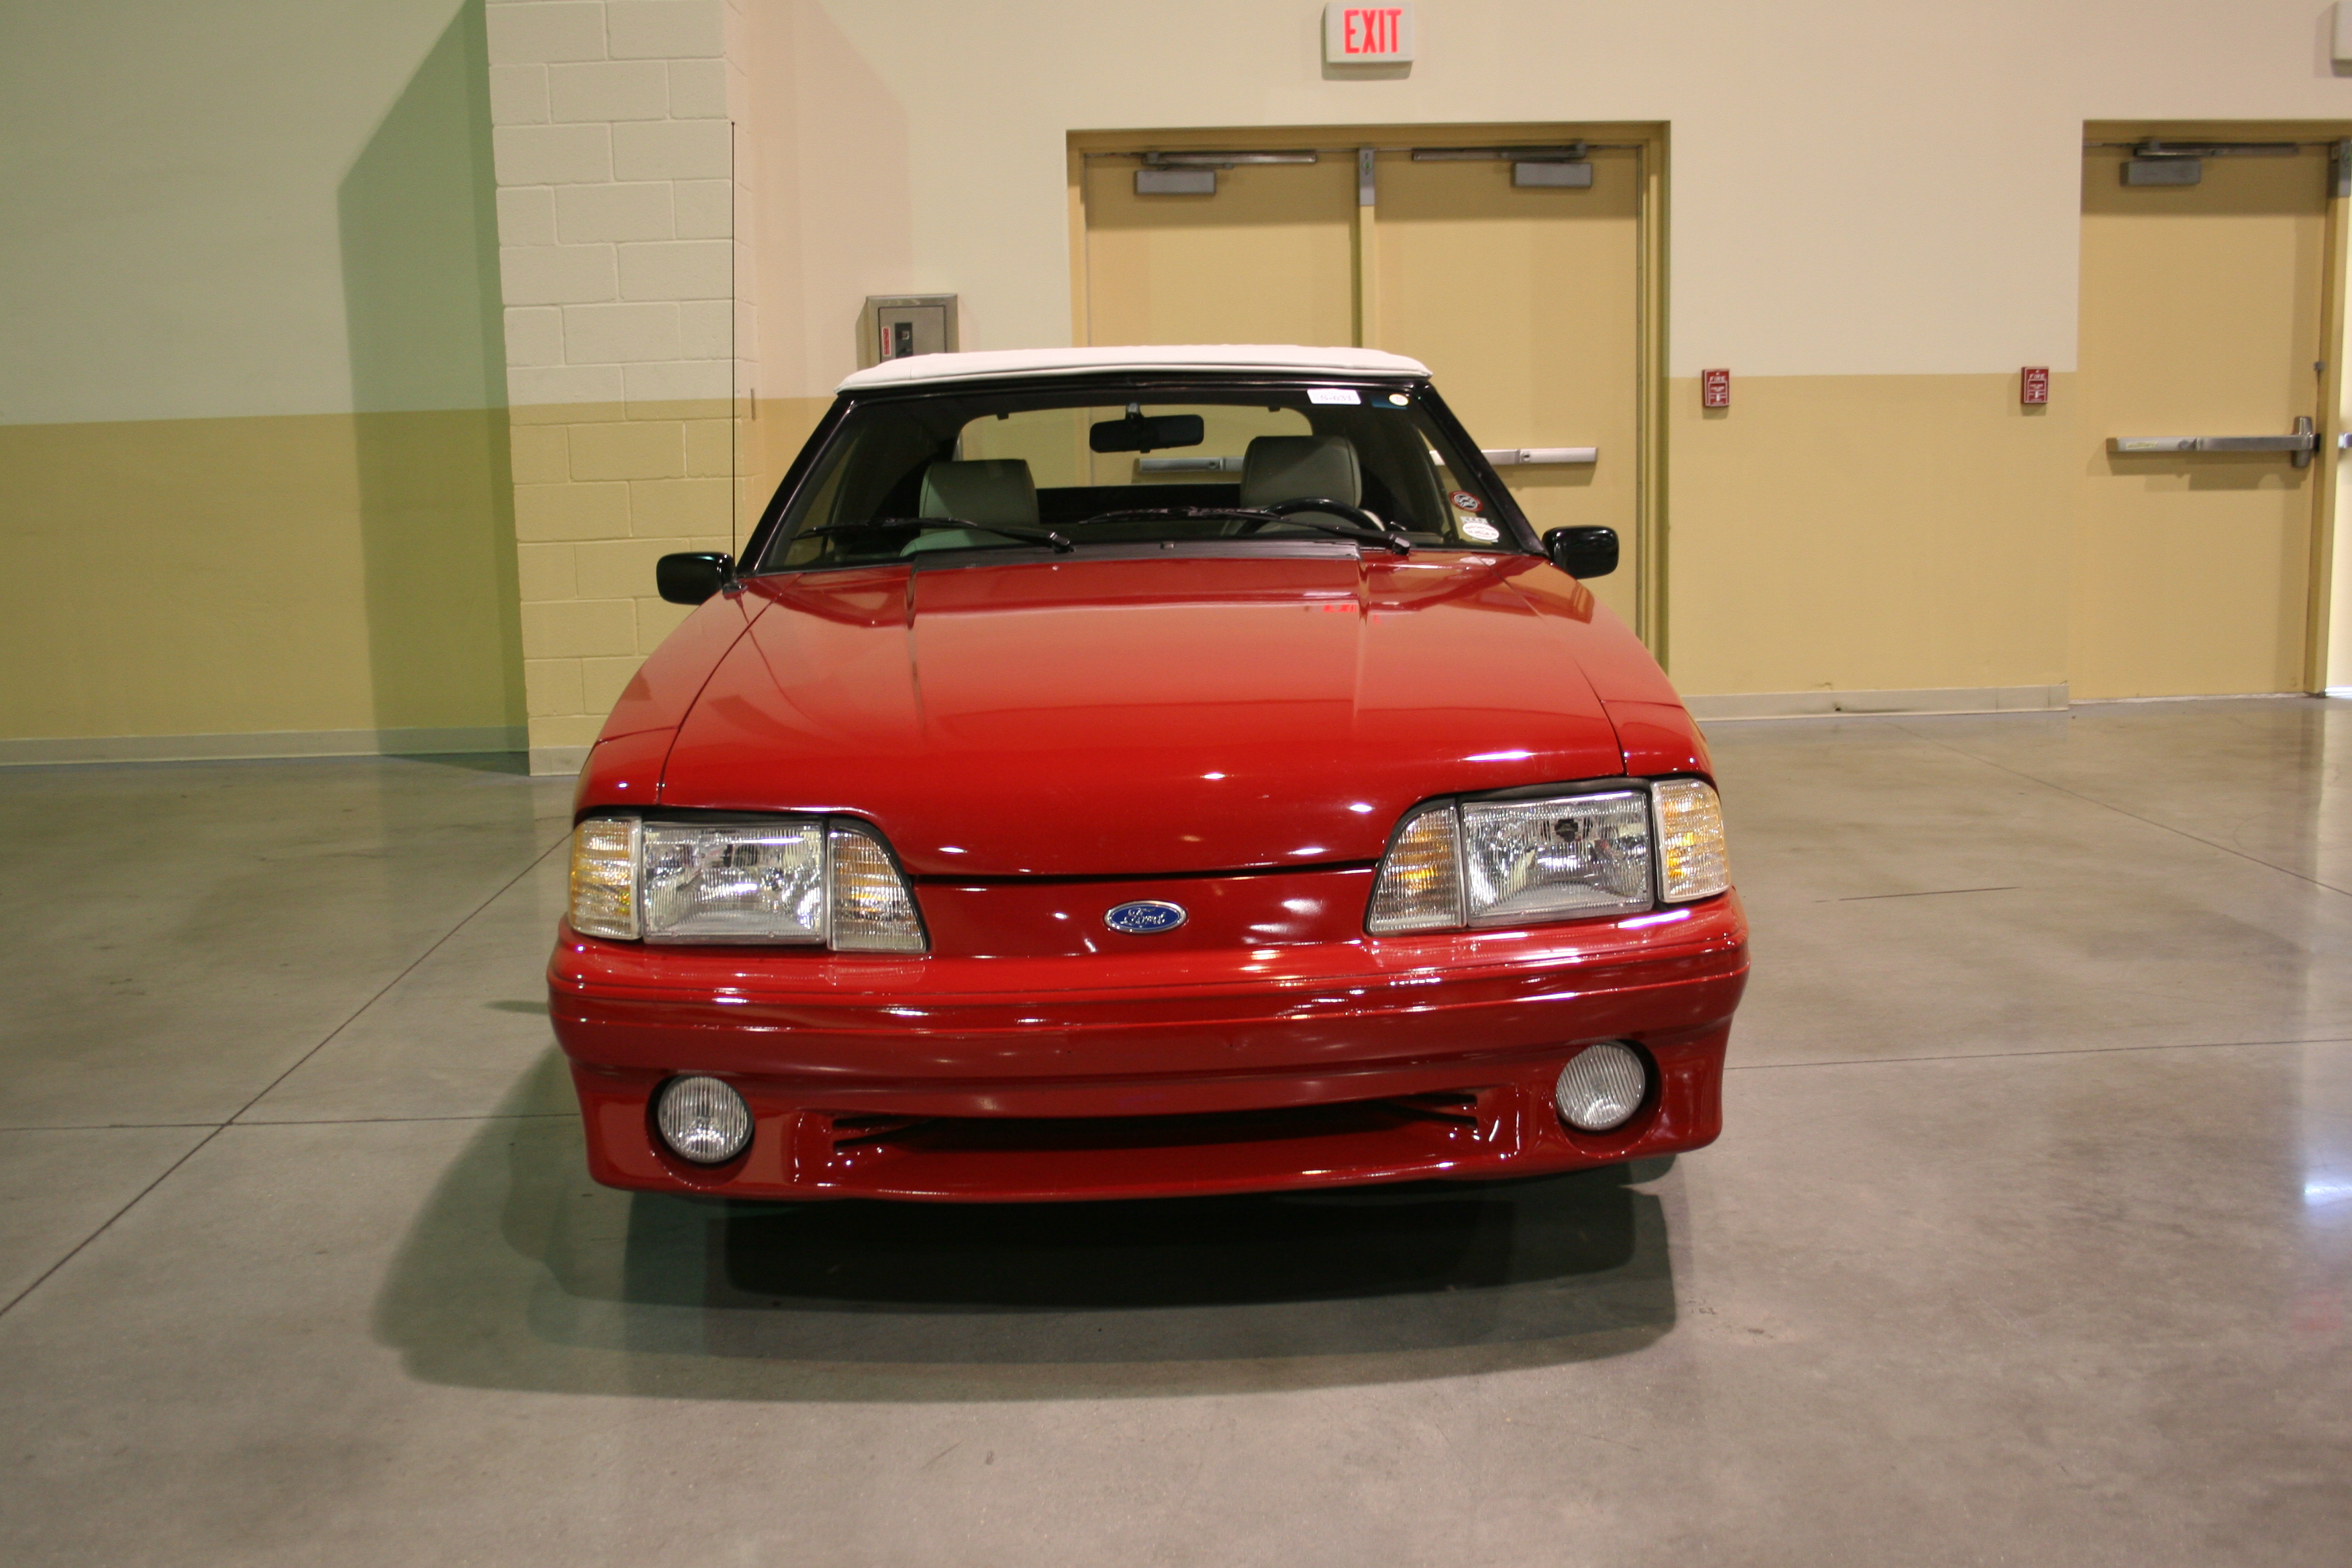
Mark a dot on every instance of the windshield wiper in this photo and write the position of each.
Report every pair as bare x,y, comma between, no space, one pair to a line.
1393,539
1062,546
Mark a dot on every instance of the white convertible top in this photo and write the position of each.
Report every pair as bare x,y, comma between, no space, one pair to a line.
918,370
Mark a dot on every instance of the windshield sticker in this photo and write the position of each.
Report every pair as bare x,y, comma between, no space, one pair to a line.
1332,395
1399,398
1465,501
1479,529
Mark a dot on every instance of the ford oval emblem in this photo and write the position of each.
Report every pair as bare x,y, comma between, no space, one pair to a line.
1144,916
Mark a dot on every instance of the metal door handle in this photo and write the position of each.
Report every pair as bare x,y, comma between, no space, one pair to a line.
1519,456
1187,464
2300,445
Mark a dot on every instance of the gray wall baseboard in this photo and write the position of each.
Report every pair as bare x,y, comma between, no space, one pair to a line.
1833,704
260,744
549,762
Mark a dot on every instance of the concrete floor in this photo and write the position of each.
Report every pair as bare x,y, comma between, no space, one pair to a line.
2028,1241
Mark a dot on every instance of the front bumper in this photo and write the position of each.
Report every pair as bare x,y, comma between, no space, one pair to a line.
1147,1073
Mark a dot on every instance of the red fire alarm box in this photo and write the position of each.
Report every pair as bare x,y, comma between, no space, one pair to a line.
1715,389
2034,383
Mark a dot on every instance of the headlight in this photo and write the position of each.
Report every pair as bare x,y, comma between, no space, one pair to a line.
786,879
1521,861
733,883
1529,861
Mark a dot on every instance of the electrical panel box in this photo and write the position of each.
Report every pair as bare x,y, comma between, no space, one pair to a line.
897,325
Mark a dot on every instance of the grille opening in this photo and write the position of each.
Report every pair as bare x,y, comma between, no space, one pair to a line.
1081,1134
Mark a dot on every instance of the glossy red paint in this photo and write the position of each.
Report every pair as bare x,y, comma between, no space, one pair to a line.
1393,1059
1040,738
1091,718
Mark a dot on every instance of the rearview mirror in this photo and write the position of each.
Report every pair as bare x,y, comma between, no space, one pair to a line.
1137,434
1582,552
692,577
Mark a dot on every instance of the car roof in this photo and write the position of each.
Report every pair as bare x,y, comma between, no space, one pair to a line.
919,370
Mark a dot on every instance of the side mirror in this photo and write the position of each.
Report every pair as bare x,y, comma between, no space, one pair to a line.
689,579
1582,552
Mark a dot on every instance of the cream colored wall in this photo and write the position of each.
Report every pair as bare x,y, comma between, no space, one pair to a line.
178,234
225,217
1874,219
1858,188
254,489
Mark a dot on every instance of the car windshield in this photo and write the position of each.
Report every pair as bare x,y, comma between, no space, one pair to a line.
1084,466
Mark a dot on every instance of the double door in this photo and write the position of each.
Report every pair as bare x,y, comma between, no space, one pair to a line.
1509,261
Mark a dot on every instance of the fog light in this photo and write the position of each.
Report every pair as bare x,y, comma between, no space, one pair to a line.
1602,1089
703,1120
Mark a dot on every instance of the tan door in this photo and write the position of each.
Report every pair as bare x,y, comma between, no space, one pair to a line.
1268,258
2202,316
1525,301
1522,300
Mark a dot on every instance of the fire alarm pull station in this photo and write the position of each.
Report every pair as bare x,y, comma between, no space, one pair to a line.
1715,389
898,325
2033,384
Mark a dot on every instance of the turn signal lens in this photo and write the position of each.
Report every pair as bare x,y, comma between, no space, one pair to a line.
604,877
1691,863
1420,884
702,1119
872,909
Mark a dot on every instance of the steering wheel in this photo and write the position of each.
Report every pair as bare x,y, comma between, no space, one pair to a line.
1374,529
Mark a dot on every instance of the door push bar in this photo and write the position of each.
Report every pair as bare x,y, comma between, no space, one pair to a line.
1520,457
2298,445
1501,456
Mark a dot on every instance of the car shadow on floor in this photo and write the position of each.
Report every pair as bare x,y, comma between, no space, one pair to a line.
520,1272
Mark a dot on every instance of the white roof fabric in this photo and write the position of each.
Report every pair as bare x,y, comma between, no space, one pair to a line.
922,369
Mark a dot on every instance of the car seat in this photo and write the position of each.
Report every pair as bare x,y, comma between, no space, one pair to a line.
991,490
1278,468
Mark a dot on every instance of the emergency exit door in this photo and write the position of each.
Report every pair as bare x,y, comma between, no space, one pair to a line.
2202,374
1522,299
1512,268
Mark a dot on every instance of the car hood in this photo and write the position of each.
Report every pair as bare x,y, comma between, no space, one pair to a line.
1099,716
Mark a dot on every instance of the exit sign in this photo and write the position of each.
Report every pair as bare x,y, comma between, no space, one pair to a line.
1367,34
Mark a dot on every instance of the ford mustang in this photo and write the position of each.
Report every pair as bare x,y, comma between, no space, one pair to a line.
1110,772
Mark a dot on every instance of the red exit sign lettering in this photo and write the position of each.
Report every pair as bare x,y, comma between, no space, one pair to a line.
1715,389
1367,34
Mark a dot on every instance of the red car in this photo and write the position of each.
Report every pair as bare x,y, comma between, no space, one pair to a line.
1123,772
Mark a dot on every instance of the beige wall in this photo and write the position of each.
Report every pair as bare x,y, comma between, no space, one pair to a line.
307,582
1859,189
256,490
1875,217
238,235
1870,534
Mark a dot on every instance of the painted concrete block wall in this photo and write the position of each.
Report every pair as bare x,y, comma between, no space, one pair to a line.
628,307
256,498
267,231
